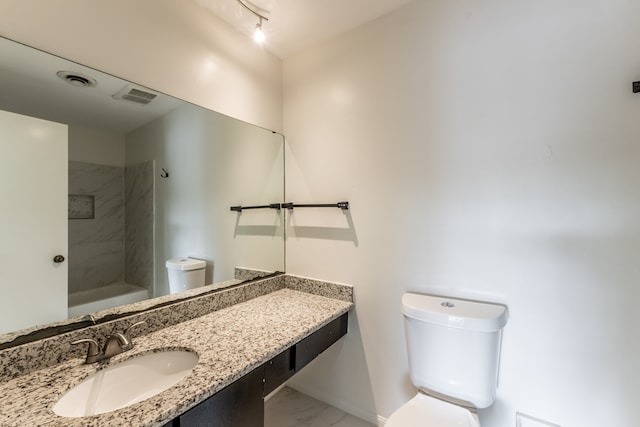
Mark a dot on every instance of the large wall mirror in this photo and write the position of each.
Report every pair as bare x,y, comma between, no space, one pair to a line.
115,179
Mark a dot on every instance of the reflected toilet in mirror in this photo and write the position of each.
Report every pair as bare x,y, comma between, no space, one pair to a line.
185,273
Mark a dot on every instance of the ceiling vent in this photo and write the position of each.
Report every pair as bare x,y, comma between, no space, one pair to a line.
77,79
135,94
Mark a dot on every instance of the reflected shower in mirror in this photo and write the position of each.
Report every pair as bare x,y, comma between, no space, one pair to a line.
146,178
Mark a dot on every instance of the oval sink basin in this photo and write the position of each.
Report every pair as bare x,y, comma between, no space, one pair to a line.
126,383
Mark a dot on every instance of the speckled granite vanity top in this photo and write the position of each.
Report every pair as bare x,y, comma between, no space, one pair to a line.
230,343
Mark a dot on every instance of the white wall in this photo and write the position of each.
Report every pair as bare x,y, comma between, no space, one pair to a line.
95,146
174,46
489,150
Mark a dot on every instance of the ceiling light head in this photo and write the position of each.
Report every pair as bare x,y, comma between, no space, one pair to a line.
258,35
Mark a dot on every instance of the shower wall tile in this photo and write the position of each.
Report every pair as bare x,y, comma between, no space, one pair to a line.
96,246
101,263
98,230
139,217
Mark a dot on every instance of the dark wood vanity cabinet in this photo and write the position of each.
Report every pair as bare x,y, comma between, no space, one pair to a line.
241,403
310,347
278,370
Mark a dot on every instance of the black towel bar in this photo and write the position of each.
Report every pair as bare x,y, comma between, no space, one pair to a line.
241,208
342,205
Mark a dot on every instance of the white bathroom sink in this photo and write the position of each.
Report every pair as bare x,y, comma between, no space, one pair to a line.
126,383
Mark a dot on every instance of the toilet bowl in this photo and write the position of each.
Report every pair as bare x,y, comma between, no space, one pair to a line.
427,411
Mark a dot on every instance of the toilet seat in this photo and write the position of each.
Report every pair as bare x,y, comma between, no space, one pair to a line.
427,411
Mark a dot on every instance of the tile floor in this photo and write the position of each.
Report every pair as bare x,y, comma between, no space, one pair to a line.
289,408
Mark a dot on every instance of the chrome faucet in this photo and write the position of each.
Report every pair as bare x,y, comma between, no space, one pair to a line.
114,344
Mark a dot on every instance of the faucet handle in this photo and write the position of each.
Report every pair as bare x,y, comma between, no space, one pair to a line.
93,351
128,330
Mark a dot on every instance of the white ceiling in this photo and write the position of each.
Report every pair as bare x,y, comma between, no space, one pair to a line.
29,85
297,24
293,26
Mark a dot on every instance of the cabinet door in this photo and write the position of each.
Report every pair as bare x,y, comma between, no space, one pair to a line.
310,347
238,405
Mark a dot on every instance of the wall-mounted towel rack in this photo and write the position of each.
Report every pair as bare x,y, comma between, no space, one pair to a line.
342,205
242,208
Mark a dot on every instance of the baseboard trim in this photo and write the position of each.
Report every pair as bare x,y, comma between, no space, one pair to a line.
382,421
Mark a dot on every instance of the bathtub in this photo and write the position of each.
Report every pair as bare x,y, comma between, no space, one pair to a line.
109,296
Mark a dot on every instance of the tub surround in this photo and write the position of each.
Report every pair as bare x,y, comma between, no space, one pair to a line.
233,331
139,191
96,242
114,243
103,298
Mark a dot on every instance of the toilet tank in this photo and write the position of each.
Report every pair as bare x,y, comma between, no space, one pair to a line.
185,273
454,347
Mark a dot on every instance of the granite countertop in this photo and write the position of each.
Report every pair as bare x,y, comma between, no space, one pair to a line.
230,343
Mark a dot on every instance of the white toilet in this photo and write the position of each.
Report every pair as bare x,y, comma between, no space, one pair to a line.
185,273
454,350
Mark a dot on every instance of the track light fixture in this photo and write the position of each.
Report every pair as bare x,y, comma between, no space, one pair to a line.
258,35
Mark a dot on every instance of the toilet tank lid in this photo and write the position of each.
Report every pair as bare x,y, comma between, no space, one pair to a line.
455,313
185,264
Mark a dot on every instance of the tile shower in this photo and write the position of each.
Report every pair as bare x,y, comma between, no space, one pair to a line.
110,234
